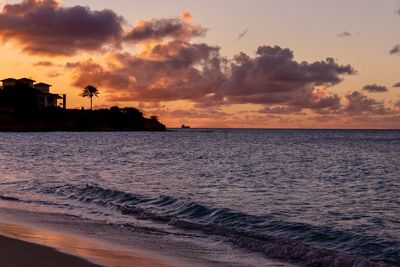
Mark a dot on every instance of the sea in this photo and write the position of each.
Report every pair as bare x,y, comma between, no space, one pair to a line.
230,197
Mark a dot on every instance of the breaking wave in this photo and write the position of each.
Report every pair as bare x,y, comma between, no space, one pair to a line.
289,241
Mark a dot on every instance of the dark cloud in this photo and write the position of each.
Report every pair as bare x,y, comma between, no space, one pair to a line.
345,34
242,34
397,85
374,88
27,5
360,104
273,77
44,27
395,50
181,28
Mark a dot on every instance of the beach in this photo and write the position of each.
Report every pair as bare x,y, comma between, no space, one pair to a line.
56,239
30,245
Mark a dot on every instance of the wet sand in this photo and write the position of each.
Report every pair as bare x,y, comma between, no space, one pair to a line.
20,247
107,245
18,253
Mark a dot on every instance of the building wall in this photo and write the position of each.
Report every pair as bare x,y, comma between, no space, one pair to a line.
30,84
8,83
43,88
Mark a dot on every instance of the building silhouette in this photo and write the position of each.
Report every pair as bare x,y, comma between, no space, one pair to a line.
25,90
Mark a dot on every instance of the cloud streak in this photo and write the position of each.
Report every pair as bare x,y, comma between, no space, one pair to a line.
242,34
44,64
345,34
374,88
395,50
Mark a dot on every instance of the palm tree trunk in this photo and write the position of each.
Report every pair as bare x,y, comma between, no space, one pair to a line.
91,103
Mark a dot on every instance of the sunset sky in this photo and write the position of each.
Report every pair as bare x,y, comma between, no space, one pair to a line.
220,63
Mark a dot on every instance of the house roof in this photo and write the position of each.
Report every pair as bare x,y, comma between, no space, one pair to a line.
26,80
9,80
43,84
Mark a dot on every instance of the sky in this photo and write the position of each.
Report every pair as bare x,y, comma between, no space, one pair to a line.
220,63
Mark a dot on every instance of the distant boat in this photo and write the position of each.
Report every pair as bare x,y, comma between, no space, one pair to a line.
185,126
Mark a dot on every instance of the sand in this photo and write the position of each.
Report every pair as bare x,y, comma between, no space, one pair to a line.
16,253
27,245
50,239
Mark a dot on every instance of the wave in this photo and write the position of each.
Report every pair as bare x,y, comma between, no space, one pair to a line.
292,242
8,198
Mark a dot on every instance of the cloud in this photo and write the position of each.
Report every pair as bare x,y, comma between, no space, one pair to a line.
282,110
181,28
197,114
176,70
360,104
374,88
43,64
242,34
273,77
344,34
179,70
395,50
397,85
45,27
25,6
53,74
89,72
172,68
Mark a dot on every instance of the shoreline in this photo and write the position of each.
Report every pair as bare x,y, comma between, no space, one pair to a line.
108,245
43,247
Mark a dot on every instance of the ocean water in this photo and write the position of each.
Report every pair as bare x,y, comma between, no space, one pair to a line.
312,197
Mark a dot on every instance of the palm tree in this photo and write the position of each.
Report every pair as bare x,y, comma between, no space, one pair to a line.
90,91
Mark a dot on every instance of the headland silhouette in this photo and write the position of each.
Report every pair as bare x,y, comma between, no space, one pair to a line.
26,106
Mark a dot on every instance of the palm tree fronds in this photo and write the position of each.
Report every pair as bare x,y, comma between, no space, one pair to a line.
90,91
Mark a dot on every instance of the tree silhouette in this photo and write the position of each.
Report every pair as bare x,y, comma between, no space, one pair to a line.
90,91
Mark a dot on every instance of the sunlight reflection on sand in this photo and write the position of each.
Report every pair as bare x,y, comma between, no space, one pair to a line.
98,252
